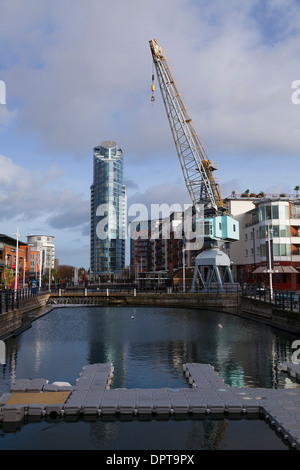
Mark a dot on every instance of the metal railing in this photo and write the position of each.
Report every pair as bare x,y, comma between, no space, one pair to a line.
10,298
285,300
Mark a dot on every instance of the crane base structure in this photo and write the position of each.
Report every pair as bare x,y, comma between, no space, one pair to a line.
212,272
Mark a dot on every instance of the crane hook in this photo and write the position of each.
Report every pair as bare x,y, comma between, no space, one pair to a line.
153,89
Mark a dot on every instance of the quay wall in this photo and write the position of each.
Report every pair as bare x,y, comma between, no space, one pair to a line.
13,321
267,313
234,303
222,302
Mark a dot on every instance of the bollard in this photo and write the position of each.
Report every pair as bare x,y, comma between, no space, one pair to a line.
59,292
106,292
85,292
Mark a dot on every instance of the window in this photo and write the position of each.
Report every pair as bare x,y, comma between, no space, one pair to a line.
296,211
276,249
263,231
275,229
268,213
284,212
207,227
261,213
246,253
263,251
285,250
275,212
281,249
284,231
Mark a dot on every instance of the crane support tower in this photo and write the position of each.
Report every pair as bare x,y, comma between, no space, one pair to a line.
212,266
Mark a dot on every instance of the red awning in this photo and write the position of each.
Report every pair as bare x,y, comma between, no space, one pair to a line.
276,269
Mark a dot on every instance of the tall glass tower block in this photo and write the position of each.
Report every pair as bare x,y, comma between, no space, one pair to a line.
108,215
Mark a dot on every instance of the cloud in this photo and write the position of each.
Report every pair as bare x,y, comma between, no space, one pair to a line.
73,212
31,194
131,184
78,73
6,117
85,76
156,197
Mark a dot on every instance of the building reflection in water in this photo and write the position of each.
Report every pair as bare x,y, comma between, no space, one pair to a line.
148,347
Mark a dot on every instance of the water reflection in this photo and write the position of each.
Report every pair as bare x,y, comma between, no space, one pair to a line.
148,351
202,433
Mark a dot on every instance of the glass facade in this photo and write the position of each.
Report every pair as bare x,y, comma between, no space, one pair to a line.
274,217
107,210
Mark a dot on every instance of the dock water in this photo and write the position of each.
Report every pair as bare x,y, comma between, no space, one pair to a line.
206,393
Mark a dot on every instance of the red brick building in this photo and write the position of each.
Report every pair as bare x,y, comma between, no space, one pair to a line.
28,261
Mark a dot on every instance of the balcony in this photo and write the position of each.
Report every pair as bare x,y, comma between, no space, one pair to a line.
295,221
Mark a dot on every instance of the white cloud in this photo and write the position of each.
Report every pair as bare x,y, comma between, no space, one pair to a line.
27,195
6,117
79,72
86,69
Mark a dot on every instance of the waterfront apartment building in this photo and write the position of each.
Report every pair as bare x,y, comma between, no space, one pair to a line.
157,252
27,261
44,246
263,222
108,211
268,225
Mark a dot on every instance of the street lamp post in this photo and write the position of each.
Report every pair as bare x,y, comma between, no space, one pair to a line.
17,235
270,270
40,266
24,272
183,269
50,266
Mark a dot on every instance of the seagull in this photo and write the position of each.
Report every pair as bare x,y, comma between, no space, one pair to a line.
132,316
220,326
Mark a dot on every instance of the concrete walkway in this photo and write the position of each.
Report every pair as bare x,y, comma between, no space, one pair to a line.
207,394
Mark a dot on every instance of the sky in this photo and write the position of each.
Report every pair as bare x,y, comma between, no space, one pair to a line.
78,72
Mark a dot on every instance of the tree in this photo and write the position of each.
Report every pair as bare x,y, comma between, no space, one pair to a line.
297,188
65,273
8,277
